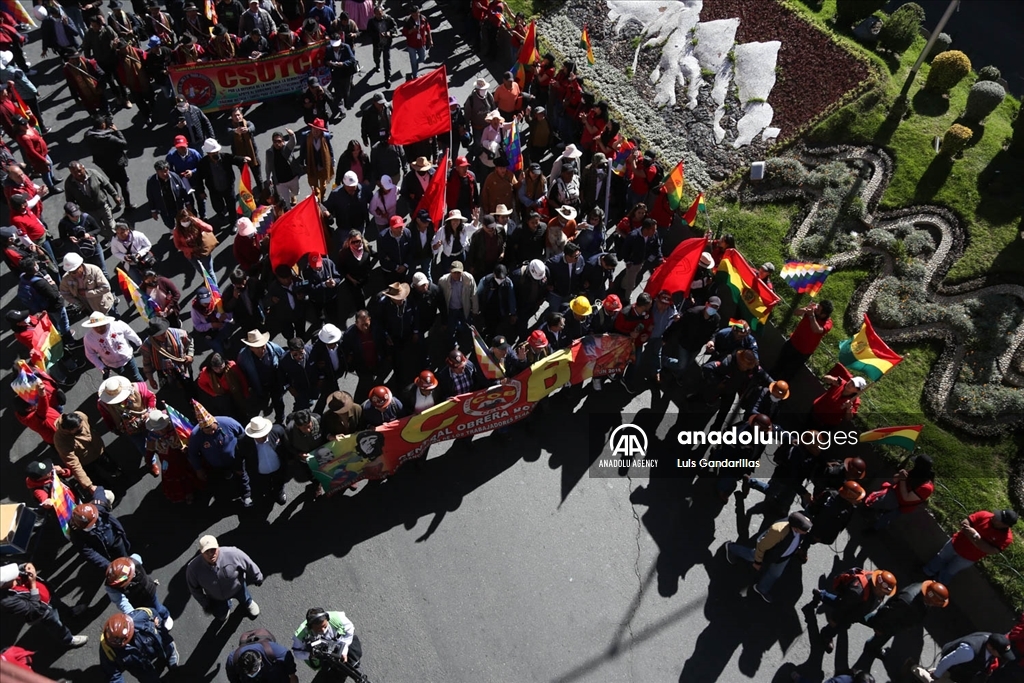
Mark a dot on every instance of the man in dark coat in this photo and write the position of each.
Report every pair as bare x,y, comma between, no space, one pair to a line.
348,205
109,146
906,610
342,62
96,534
167,193
376,124
216,175
139,643
23,595
190,121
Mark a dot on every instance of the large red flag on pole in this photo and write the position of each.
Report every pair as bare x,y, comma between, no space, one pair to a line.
433,199
420,109
676,273
298,232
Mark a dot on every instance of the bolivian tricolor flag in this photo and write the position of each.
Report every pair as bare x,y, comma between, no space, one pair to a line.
585,45
754,300
674,187
246,202
904,437
697,207
867,353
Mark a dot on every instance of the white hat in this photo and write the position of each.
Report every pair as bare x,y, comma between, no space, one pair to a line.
329,334
6,57
706,260
157,420
418,279
255,338
480,84
494,115
8,572
501,210
97,319
114,389
245,227
258,427
72,261
860,383
538,271
210,146
350,179
336,43
208,542
567,212
455,215
570,152
386,183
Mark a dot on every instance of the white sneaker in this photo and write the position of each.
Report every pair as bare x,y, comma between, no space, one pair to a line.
109,495
253,609
79,641
168,623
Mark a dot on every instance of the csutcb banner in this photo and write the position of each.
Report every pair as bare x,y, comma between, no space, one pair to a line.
235,82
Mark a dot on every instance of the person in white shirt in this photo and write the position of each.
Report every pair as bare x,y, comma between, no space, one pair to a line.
384,203
133,249
110,345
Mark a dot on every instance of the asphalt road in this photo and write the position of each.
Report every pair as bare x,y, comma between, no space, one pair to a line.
494,561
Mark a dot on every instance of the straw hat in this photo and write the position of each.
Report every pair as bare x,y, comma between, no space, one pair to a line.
567,212
455,215
501,210
97,319
481,84
397,291
255,338
258,427
115,390
421,164
157,420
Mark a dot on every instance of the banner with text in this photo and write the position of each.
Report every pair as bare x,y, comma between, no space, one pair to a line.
374,454
212,86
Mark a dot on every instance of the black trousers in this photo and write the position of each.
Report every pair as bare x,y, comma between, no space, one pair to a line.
119,176
385,52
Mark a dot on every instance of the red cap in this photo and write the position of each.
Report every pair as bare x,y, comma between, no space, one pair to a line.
396,222
462,161
612,303
180,141
538,339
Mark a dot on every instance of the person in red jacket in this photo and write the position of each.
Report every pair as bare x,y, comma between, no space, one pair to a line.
1016,638
9,111
29,225
18,182
37,154
646,176
39,480
42,415
981,534
417,39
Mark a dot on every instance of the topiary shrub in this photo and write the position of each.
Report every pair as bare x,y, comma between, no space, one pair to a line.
983,99
901,28
849,12
942,44
989,73
948,69
955,139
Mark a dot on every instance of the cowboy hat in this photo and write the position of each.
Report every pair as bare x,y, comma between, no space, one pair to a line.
421,164
567,212
455,215
255,338
329,334
570,152
707,260
72,261
318,124
481,84
494,115
211,146
114,389
157,420
397,291
98,319
501,210
258,427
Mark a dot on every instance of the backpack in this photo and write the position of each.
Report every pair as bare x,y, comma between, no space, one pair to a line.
261,636
30,296
855,574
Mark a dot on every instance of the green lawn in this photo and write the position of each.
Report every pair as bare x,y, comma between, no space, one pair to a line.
973,472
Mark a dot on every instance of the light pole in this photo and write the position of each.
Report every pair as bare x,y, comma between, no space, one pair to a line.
953,4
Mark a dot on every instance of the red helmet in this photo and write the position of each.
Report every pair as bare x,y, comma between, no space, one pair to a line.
84,516
612,303
120,572
856,468
380,397
119,630
426,380
538,339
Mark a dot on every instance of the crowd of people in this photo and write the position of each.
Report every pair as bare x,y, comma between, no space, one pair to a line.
533,257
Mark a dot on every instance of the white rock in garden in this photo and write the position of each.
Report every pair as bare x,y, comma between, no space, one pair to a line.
756,116
714,41
664,14
770,133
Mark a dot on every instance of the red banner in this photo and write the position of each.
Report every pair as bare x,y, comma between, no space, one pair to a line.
235,82
374,454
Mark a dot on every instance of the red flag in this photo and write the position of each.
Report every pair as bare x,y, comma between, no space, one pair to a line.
420,109
433,200
676,273
296,233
